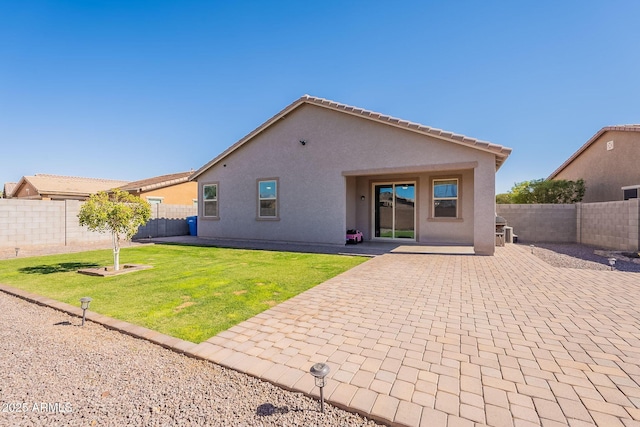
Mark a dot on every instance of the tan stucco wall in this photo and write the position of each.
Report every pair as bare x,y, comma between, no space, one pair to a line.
606,171
26,191
320,183
179,194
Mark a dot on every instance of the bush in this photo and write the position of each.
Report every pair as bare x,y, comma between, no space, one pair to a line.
543,191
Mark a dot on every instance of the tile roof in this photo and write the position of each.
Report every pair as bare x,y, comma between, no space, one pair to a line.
623,128
157,182
501,152
8,188
70,185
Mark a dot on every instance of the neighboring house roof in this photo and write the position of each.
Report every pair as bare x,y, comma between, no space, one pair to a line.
594,138
8,188
68,185
501,152
157,182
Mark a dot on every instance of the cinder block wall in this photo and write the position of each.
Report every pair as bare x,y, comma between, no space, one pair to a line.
48,222
75,233
541,223
31,222
611,225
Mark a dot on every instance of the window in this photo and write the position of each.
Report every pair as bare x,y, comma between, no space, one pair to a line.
210,200
630,192
445,198
268,199
154,200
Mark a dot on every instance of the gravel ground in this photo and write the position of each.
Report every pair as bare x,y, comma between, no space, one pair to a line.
61,374
568,255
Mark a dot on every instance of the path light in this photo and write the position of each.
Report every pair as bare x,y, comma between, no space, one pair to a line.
319,372
84,305
612,262
17,250
532,246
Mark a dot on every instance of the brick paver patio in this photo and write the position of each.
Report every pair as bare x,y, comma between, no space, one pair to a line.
446,340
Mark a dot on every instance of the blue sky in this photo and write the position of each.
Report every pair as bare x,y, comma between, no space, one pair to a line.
134,89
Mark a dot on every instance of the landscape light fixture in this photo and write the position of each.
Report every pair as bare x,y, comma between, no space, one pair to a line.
17,250
532,246
612,262
319,372
84,305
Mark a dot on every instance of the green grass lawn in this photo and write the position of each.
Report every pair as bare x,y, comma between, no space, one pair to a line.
191,293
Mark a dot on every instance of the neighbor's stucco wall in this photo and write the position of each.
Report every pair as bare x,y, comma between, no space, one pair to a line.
179,194
26,190
606,171
316,179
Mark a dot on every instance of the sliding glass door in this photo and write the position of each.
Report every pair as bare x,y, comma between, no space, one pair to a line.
394,210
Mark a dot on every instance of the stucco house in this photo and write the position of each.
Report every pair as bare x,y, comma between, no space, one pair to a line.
7,192
608,163
57,187
318,168
172,189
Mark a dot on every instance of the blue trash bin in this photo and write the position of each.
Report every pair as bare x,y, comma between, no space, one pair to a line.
192,221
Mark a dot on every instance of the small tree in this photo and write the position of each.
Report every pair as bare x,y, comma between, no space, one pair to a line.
543,191
503,198
117,212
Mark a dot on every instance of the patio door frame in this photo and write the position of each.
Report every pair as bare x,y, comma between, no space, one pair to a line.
394,183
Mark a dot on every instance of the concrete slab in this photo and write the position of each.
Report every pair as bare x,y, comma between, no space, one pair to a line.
433,250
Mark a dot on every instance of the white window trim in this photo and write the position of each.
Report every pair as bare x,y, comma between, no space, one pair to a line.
149,198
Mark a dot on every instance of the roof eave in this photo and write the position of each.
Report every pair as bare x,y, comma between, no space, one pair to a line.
500,152
594,138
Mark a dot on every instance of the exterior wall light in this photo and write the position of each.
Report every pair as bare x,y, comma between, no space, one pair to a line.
319,372
612,262
84,305
361,197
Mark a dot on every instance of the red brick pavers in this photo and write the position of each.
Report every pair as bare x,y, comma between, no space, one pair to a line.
445,340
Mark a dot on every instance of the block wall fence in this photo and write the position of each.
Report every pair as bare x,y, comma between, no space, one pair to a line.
610,225
52,222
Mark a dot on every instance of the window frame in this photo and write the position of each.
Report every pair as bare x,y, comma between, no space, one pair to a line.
457,198
216,200
259,200
155,200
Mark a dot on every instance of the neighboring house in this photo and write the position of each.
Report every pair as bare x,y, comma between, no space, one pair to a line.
318,168
8,189
608,163
173,189
55,187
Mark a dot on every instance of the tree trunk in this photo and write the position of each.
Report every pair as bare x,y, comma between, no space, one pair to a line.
116,252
